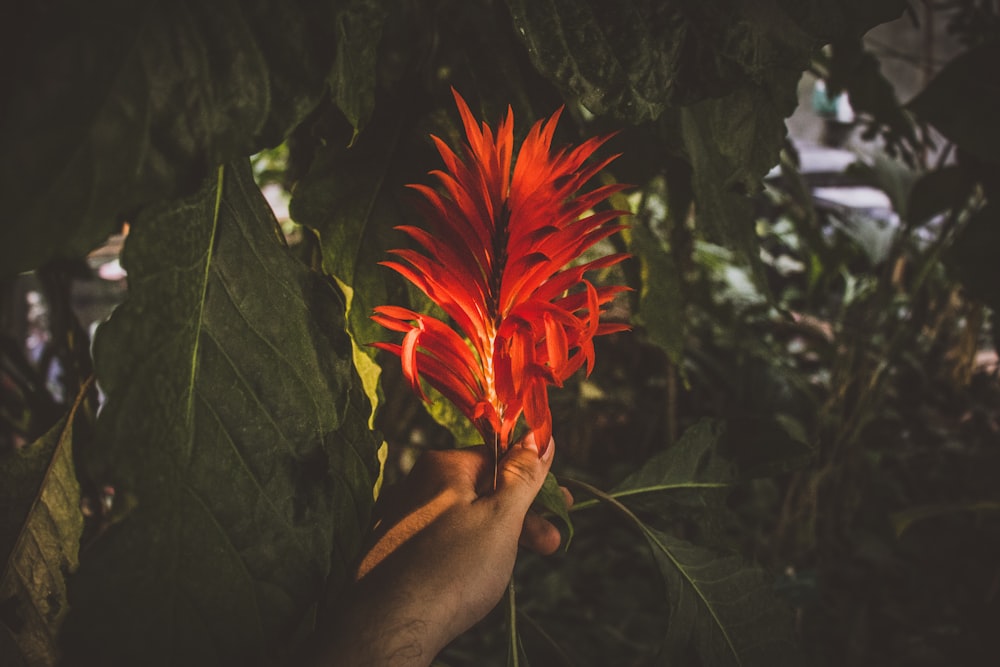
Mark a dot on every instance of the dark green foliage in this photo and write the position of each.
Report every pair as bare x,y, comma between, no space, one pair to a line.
41,529
124,103
971,127
235,438
799,376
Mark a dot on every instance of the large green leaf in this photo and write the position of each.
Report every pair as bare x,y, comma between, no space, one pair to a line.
237,432
633,59
636,58
349,197
721,607
722,610
125,102
39,542
731,67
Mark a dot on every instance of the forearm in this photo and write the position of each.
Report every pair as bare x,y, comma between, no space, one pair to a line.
391,644
384,625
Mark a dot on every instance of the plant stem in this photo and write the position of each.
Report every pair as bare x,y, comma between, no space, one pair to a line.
512,652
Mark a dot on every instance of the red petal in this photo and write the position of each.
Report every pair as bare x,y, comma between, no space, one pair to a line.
408,358
555,343
536,407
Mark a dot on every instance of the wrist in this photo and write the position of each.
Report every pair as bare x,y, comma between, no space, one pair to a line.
375,629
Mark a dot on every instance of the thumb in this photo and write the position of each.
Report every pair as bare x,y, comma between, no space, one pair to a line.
522,473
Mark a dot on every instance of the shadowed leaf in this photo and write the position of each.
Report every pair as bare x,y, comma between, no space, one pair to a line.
130,102
661,304
347,198
352,79
716,453
237,430
722,609
963,101
39,545
552,499
972,255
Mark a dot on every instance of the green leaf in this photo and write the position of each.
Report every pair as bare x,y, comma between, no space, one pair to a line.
730,68
634,59
446,414
131,102
721,609
348,198
551,498
963,101
237,430
352,79
40,533
661,303
619,59
731,143
714,453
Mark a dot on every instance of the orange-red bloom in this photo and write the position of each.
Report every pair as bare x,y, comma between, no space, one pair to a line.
495,260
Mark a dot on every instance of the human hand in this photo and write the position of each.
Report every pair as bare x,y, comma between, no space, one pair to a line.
442,555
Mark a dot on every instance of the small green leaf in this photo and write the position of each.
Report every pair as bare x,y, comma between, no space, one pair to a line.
352,79
551,498
40,486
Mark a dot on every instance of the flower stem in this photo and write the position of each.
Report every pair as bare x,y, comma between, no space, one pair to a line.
513,658
496,459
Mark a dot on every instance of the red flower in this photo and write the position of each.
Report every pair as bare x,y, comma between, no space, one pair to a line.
494,260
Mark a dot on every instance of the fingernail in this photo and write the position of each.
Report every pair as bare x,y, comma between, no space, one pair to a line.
549,449
529,442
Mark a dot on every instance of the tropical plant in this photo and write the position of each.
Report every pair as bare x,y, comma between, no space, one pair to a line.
495,263
202,499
